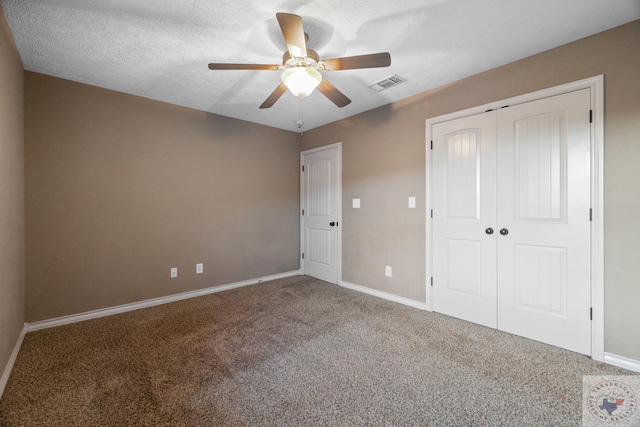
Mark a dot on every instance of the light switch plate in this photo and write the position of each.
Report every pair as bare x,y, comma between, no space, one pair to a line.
387,271
174,272
412,202
199,268
356,203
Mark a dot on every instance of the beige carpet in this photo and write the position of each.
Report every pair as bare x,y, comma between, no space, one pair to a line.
294,352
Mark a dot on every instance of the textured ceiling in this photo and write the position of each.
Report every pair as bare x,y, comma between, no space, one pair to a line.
160,49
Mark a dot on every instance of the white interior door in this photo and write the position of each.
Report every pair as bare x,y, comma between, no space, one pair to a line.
320,220
464,200
544,275
528,179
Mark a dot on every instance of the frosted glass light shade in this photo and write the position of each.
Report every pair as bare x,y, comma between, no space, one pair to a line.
301,81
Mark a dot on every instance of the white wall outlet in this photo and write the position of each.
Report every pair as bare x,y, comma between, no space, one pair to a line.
199,268
387,271
174,272
412,202
355,203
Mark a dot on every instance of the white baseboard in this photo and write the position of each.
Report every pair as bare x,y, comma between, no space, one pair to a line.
12,359
385,295
622,362
65,320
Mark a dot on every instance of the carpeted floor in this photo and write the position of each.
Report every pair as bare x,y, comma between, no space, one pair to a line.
295,351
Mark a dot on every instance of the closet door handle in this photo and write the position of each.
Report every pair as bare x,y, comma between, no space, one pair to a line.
489,230
504,231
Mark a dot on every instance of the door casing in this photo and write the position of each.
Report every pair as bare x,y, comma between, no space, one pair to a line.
596,86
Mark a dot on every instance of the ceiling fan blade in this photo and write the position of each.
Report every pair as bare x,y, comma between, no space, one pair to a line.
291,27
334,95
275,95
373,60
214,66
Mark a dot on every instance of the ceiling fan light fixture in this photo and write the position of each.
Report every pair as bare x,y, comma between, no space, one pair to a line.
301,81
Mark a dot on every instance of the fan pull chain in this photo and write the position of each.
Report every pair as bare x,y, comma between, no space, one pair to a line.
300,122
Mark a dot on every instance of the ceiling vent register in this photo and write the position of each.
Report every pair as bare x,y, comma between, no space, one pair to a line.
388,83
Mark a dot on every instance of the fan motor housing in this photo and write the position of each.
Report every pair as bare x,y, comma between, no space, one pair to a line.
311,60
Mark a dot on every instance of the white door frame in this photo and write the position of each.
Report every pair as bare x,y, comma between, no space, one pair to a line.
337,145
596,84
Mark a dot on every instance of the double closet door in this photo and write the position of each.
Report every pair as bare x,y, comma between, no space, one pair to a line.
511,219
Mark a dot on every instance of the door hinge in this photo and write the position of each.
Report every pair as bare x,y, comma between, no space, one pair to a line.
590,214
302,255
431,281
432,145
431,213
302,212
590,313
590,116
302,168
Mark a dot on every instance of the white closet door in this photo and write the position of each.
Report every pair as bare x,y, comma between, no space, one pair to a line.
544,270
523,171
464,200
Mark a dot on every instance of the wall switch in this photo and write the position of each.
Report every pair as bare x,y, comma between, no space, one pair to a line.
356,203
387,271
199,268
412,202
174,272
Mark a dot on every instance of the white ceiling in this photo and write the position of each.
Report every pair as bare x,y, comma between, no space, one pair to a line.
160,49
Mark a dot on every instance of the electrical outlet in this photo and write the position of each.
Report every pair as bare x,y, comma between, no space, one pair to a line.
174,272
199,268
387,271
355,203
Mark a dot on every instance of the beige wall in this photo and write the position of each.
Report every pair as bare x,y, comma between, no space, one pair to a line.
384,163
11,194
119,189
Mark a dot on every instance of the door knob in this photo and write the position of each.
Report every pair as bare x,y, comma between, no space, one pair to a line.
332,223
504,231
489,230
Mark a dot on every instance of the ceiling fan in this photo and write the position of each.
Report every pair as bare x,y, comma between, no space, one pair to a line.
301,66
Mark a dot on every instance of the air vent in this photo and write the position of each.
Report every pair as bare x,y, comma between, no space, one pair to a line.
387,83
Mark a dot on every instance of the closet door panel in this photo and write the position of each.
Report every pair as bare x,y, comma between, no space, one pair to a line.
464,186
543,201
